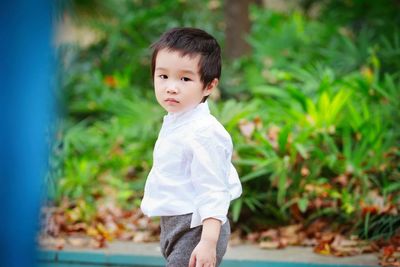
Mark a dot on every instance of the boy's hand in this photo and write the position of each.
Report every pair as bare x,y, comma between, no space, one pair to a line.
204,254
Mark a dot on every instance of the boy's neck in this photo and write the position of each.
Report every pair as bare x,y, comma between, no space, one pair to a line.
188,110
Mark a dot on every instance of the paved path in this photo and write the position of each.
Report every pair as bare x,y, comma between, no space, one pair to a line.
241,255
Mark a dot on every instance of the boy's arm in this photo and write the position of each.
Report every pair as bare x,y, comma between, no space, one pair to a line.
211,229
205,252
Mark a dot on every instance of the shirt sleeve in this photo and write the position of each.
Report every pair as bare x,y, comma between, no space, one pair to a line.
210,168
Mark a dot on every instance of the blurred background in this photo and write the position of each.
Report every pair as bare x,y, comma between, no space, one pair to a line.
309,92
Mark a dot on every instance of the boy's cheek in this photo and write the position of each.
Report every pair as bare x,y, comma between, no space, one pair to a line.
158,86
157,89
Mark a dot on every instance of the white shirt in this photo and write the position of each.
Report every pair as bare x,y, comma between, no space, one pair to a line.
192,170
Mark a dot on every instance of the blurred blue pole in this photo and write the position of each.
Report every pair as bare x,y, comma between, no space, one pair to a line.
25,59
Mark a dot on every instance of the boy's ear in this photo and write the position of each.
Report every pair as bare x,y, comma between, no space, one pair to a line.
210,87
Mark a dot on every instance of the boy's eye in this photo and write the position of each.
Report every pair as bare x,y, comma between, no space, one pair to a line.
185,79
163,77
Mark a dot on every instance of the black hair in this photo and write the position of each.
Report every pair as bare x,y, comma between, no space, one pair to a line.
192,42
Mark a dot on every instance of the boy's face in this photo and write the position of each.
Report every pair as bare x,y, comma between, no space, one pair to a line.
177,81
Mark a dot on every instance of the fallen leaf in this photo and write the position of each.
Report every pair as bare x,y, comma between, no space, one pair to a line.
304,171
253,237
323,248
92,231
235,238
290,230
78,242
258,122
270,245
126,236
388,251
143,236
247,128
98,243
110,81
59,243
309,242
271,234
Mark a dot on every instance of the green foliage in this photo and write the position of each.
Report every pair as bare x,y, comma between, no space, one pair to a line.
325,129
111,119
99,153
377,227
313,113
127,30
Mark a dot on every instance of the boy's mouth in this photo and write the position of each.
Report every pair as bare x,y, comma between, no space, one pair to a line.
171,100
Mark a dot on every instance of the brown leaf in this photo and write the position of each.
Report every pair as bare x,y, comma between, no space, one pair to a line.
271,234
78,242
317,202
126,236
247,128
293,240
60,243
110,81
369,209
304,171
291,235
389,264
92,231
258,122
290,230
270,244
342,180
344,247
316,227
388,251
98,243
235,238
323,248
104,232
253,237
340,241
345,251
272,135
54,224
309,242
143,236
327,237
78,227
296,212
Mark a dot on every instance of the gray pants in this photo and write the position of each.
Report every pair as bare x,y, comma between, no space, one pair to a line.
178,240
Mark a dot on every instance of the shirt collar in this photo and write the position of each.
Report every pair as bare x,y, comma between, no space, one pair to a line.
179,118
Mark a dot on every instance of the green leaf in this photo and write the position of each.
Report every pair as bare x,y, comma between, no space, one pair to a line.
255,174
236,208
303,204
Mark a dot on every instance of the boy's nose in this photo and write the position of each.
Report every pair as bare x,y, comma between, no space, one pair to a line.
171,88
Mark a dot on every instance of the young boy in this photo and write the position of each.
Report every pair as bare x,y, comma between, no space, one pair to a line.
192,180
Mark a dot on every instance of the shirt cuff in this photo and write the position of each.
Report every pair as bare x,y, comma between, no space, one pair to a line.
211,205
220,218
197,220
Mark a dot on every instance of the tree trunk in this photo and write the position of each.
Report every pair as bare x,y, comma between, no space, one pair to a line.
237,27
